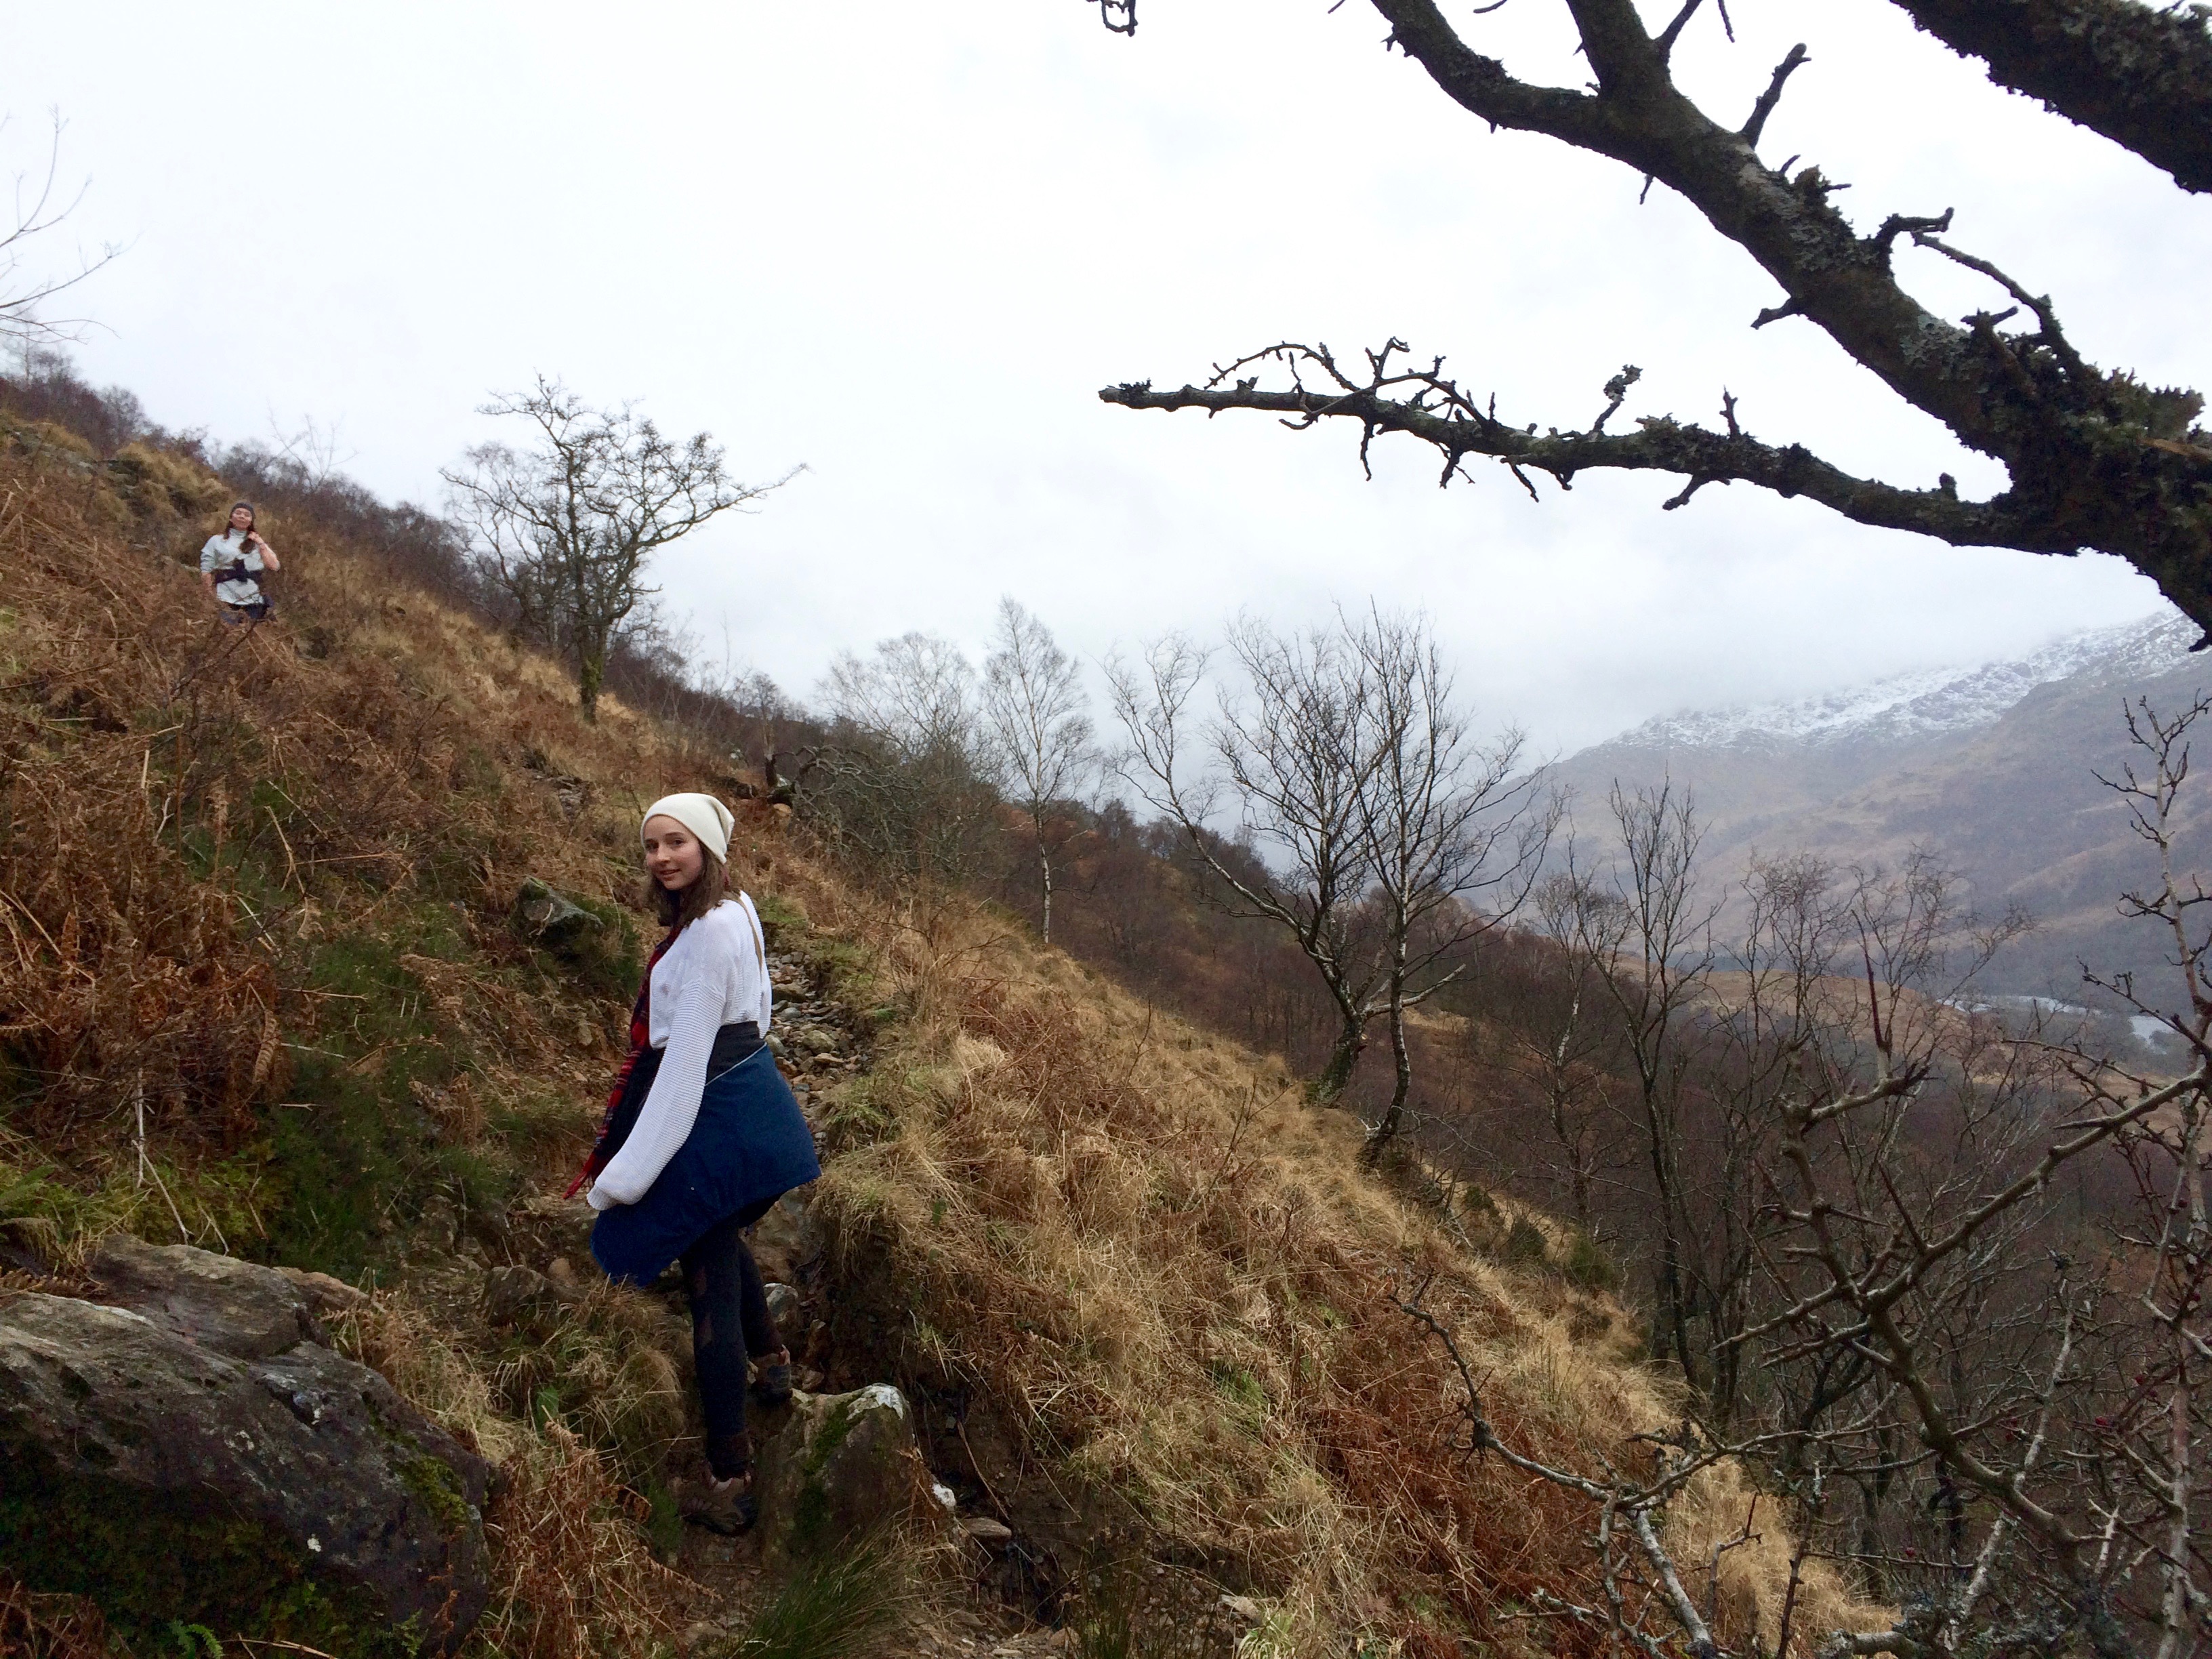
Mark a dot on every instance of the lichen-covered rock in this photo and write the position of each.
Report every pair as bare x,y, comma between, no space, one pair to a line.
221,1303
552,919
197,1455
326,1294
843,1465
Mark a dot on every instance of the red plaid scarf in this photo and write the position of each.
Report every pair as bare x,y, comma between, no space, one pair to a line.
641,1034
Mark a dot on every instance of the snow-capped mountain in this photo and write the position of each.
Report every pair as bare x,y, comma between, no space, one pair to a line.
1931,702
1992,767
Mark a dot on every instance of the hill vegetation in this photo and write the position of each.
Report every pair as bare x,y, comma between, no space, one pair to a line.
266,989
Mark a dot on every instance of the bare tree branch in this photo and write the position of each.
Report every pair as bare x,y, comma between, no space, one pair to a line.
38,209
2141,75
2097,460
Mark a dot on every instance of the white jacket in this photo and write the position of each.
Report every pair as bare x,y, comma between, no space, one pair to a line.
715,974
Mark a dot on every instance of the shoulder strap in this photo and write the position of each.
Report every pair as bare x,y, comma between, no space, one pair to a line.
752,922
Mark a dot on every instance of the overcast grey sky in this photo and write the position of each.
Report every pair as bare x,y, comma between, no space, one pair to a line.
905,245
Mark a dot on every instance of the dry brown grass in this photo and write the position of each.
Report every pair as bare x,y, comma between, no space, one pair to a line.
1161,1271
190,814
1140,1240
189,809
33,1626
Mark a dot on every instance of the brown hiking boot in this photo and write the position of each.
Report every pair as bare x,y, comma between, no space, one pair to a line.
723,1506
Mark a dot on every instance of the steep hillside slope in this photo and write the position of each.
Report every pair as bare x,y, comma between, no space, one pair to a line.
264,987
1993,769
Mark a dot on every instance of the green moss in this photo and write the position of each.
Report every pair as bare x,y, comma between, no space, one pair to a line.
811,1518
780,920
611,960
40,1206
438,1490
353,1152
664,1522
150,1560
836,1430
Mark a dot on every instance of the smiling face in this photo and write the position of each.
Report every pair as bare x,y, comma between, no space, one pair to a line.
673,856
241,517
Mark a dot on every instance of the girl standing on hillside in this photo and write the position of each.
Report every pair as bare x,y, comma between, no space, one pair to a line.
702,1135
231,564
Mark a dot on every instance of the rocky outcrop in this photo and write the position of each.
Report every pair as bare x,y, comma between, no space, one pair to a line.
843,1465
551,918
190,1449
788,1241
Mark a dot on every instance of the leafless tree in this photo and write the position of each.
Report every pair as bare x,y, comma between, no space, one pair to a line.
1455,835
1950,1271
312,453
917,692
567,526
2096,458
1380,820
1291,771
1034,699
1546,1026
907,781
38,209
2015,1399
1647,933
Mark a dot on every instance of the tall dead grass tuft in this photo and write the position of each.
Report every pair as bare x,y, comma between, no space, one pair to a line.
604,1364
851,1603
34,1626
571,1571
571,1574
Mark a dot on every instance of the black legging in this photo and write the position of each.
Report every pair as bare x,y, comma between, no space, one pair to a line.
729,1318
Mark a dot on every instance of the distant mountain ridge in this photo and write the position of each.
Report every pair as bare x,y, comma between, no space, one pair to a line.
1931,702
1992,767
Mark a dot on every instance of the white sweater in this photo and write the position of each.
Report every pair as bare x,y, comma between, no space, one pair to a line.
715,974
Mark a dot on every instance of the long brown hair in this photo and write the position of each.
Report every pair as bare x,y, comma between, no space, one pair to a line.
679,909
252,518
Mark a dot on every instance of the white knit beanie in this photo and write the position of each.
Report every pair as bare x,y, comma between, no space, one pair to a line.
703,815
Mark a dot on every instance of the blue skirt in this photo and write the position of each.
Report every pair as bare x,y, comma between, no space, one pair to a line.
748,1146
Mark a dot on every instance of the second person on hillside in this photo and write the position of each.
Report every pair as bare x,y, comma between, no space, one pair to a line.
701,1136
231,563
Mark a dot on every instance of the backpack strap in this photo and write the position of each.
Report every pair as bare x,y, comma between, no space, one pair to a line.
752,921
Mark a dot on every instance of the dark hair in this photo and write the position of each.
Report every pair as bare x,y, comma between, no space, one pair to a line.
679,909
250,517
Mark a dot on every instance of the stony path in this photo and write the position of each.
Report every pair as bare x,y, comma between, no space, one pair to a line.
814,1038
817,1043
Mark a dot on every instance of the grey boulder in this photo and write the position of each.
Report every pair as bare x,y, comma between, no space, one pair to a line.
194,1453
783,1306
551,918
841,1465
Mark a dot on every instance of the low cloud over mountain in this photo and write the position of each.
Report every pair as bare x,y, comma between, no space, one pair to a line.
1992,767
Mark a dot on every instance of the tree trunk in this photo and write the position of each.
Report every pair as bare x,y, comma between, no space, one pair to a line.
1044,871
1386,1131
1351,1043
591,674
1560,1090
1672,1314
